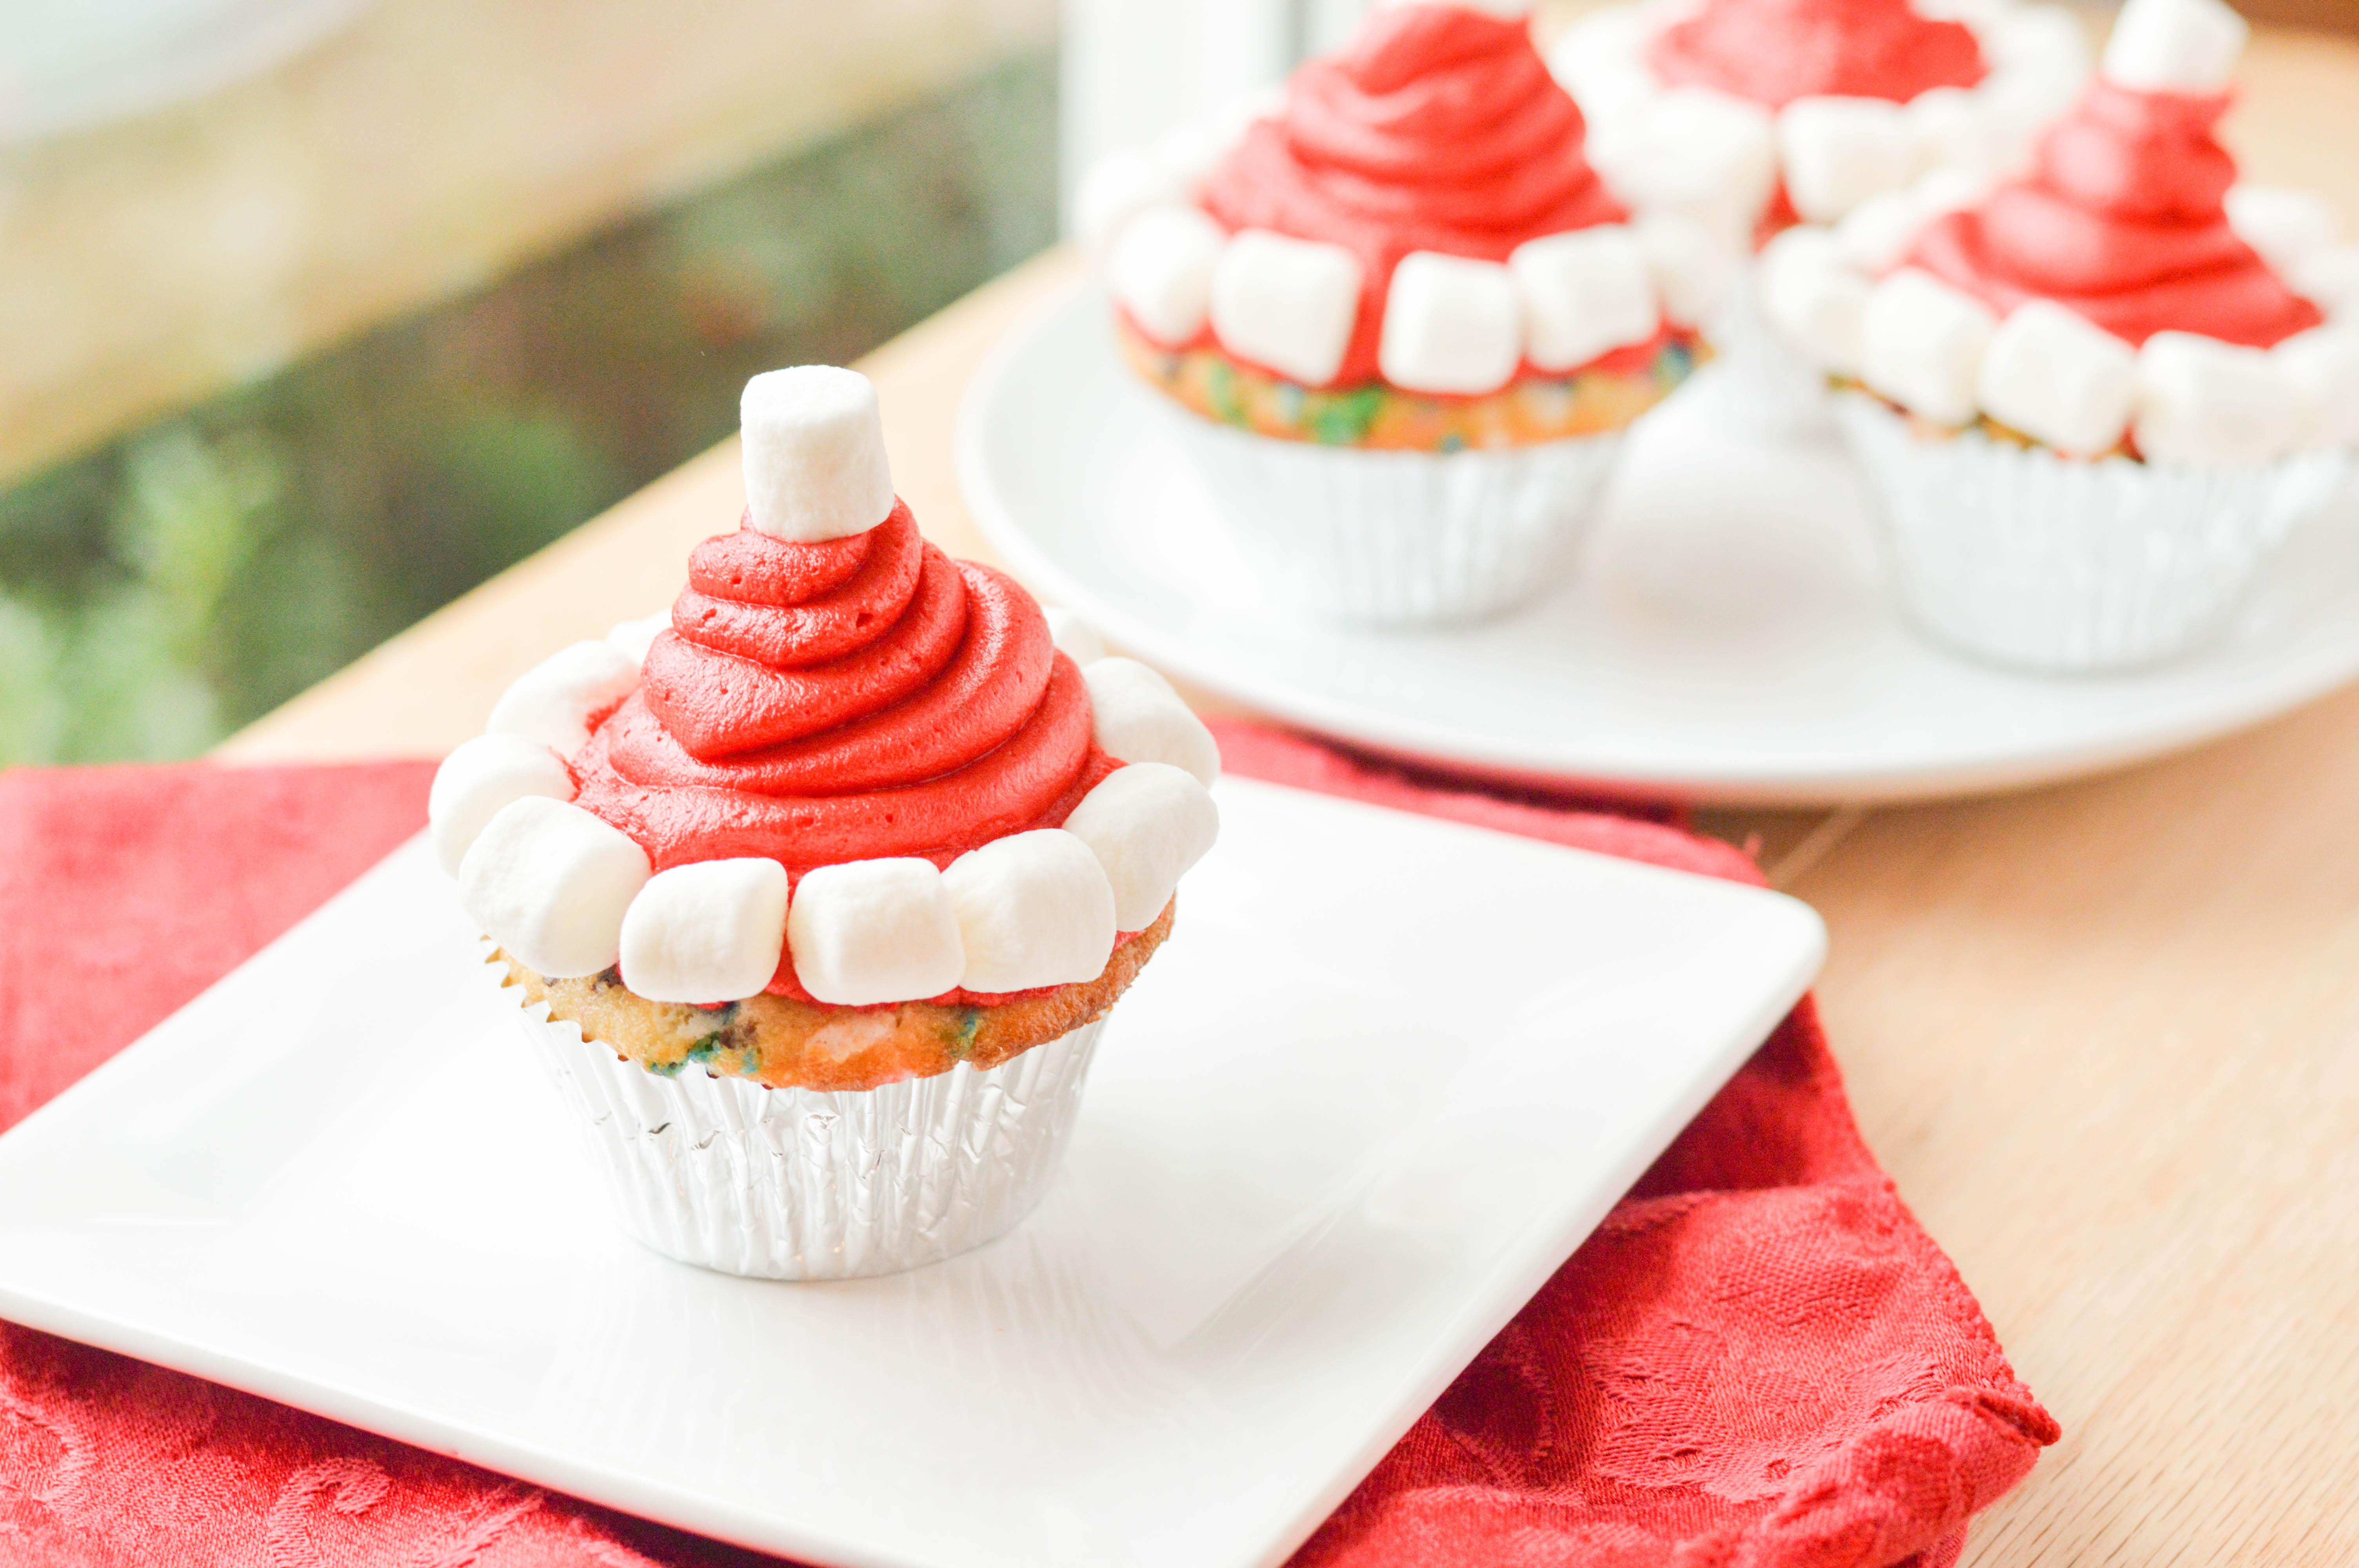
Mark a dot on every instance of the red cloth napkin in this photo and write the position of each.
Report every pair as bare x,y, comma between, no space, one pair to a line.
1759,1360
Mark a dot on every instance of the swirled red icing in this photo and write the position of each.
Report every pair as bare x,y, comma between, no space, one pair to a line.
1440,129
1774,52
849,700
2122,220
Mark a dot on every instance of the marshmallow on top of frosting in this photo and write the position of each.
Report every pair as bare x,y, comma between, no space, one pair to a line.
814,452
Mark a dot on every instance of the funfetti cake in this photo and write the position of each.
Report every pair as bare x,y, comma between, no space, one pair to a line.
1404,318
2095,398
818,896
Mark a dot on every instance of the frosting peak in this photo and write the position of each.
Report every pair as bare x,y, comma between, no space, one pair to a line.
2122,220
1774,52
852,698
1439,129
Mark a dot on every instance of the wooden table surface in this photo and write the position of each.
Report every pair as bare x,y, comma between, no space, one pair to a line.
2104,1035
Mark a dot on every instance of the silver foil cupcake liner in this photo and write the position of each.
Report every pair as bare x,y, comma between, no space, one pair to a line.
2023,558
814,1185
1394,539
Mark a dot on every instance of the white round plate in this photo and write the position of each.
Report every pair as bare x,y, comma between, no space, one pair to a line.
1723,640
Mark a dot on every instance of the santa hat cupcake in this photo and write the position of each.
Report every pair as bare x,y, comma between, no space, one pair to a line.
816,900
1400,321
2095,400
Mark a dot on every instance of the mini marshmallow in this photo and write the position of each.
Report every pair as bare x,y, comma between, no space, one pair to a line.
1813,298
874,931
550,884
1146,824
2287,227
814,448
635,637
1690,262
1584,293
1838,152
1451,324
2322,365
709,931
2329,280
1138,717
1034,909
2206,404
479,778
1877,233
2039,57
1116,189
2060,378
1921,345
1161,272
2175,46
1073,636
554,701
1285,303
1695,151
1947,126
1601,59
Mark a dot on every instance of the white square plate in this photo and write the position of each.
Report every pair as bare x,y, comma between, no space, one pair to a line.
1386,1074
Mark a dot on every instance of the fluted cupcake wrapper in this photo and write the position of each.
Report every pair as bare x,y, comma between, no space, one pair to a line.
2023,557
1398,538
812,1184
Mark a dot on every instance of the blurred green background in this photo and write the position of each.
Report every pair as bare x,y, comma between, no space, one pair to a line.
180,579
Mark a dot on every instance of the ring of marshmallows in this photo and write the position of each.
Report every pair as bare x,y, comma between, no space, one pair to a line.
1452,325
2190,400
568,894
1719,159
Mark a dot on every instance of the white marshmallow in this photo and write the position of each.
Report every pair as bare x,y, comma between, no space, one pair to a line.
1584,293
2039,57
1601,59
1161,272
2175,46
2206,404
1285,303
1692,261
1073,636
1921,345
1947,126
2060,378
1838,152
1146,824
1451,324
1875,235
2323,364
550,884
2329,280
1695,151
1813,298
706,932
1117,189
2287,227
814,448
1034,909
635,637
554,701
479,778
874,931
1138,717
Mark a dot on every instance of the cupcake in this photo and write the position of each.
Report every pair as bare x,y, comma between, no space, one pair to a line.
814,901
2091,403
1863,115
1400,324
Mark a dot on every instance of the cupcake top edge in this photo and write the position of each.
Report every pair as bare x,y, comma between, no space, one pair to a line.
835,712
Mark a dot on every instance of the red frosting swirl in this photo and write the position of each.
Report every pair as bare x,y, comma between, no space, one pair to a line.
862,698
1774,52
2122,220
1440,129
